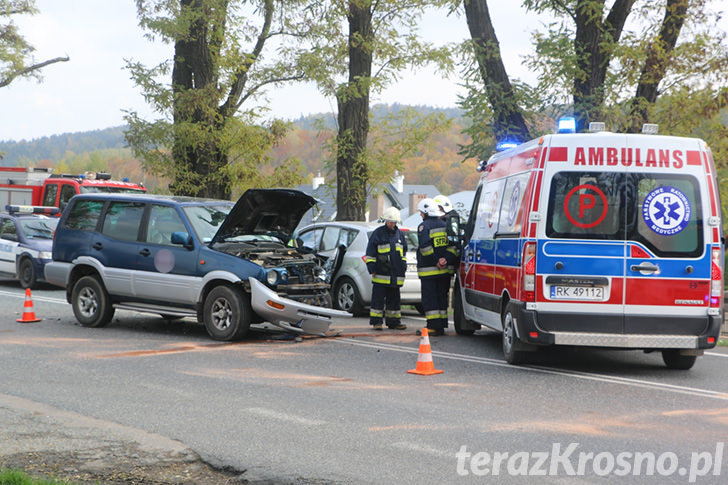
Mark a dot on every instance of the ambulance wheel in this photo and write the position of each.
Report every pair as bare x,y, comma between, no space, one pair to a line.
458,319
673,359
511,343
26,274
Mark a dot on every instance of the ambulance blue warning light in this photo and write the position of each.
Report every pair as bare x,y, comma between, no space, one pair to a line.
567,124
505,145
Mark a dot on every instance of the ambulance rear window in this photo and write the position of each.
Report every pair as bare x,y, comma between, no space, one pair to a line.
661,211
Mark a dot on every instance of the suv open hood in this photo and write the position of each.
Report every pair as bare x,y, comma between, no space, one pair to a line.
275,212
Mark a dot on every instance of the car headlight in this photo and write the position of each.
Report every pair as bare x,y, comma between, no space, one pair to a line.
272,277
45,255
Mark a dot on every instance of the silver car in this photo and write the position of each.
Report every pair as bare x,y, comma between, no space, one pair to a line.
352,285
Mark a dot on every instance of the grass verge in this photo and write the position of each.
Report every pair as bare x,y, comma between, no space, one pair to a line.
17,477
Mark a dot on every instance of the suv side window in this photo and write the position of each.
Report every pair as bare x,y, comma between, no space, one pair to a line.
163,221
122,220
84,215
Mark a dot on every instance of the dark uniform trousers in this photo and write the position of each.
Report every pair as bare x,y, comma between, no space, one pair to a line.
434,281
385,296
385,258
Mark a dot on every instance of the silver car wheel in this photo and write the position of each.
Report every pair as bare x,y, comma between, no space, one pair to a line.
345,296
221,313
88,302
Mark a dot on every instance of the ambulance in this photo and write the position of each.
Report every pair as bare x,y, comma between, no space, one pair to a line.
595,239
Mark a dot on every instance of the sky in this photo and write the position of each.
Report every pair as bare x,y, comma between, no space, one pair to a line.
91,91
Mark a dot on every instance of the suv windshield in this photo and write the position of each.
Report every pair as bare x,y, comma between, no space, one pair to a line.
206,219
661,211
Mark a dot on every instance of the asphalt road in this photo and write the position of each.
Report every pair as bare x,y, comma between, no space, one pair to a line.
344,409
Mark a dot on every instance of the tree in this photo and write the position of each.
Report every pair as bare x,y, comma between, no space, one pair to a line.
16,54
507,116
380,42
635,62
204,143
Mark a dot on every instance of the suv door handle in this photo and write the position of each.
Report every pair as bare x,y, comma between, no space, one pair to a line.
98,245
145,252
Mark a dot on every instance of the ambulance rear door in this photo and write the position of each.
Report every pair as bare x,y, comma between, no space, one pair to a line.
668,264
581,252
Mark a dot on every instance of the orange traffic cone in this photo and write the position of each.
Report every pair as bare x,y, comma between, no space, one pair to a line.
28,313
425,367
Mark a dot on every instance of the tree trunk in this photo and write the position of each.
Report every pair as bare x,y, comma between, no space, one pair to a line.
200,165
656,63
593,44
508,120
353,106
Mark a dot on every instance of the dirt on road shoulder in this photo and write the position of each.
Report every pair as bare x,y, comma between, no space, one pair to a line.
46,442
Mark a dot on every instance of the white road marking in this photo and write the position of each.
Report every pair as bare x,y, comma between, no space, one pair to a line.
291,418
692,391
419,448
716,354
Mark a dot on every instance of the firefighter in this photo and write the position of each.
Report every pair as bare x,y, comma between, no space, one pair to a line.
385,258
432,261
453,248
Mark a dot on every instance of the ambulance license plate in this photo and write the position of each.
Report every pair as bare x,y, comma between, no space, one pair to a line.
593,293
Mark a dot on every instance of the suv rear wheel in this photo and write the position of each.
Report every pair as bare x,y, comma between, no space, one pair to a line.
91,303
226,313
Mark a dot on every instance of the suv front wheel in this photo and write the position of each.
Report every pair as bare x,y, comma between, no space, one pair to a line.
226,313
91,304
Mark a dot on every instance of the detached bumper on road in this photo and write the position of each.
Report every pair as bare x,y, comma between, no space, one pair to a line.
291,315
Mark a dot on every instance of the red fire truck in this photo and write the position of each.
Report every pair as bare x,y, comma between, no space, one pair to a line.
41,187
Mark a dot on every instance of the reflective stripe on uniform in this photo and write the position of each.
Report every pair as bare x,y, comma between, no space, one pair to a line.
432,315
381,279
431,271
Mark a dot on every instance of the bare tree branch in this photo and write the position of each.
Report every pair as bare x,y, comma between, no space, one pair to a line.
29,69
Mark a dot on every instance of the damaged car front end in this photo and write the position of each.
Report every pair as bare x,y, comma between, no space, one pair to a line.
227,265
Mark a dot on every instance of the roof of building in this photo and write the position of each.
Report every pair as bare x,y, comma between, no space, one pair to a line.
326,195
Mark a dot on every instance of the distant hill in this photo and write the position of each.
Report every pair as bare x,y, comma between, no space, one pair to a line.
57,147
436,163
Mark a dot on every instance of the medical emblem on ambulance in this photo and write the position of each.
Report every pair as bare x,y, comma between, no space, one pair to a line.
666,210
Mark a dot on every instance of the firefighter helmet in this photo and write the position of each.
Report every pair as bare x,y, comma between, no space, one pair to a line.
429,208
391,214
444,203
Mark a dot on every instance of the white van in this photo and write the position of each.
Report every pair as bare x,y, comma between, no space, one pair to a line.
596,239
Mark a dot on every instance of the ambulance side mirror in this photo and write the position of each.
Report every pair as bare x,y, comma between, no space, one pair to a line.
454,234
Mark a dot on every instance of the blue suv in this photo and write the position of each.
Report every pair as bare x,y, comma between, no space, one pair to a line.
227,265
